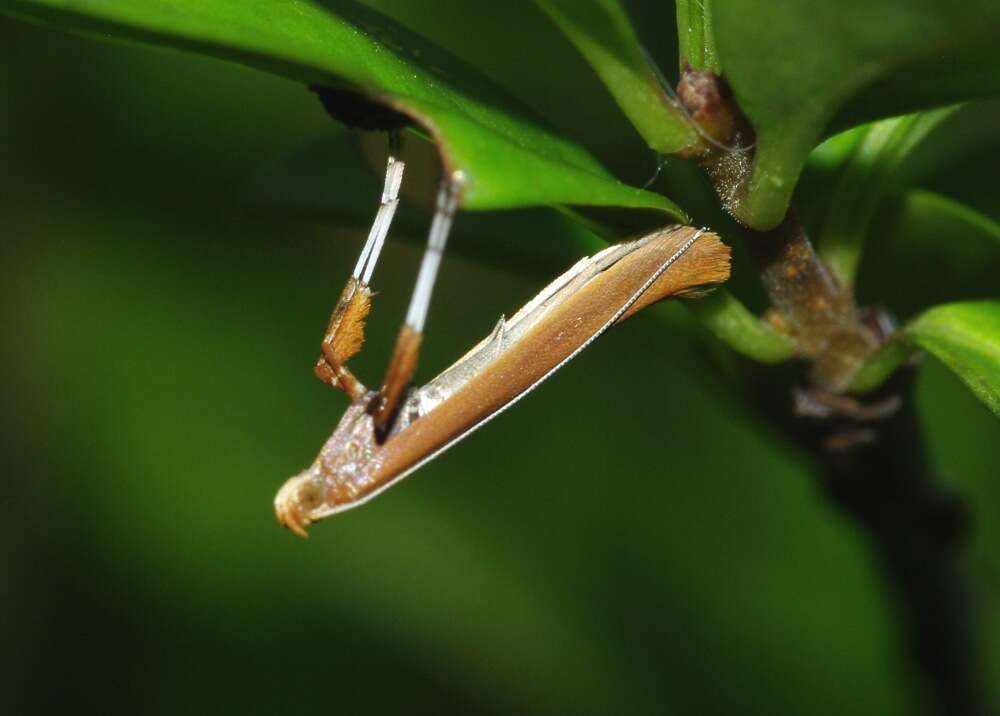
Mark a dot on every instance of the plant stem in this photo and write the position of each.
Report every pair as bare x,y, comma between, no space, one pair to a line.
870,454
695,35
872,467
916,529
732,323
818,310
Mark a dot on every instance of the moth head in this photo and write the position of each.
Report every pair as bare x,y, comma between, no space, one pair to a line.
301,501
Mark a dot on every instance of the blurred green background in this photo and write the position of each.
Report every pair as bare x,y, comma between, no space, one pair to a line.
629,539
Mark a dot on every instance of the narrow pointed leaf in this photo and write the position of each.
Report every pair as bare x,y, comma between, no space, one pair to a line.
507,154
601,31
537,239
966,338
863,184
963,336
927,249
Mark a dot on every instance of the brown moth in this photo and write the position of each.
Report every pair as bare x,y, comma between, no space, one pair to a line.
385,435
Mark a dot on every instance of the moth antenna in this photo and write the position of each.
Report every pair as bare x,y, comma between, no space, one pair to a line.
420,301
386,210
404,358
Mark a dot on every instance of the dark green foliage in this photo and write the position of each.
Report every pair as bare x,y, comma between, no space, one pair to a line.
631,538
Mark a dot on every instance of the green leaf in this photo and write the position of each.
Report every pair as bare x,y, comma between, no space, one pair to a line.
833,153
509,157
534,240
882,363
863,184
966,338
961,158
943,217
299,185
794,66
927,249
601,31
732,323
578,103
695,36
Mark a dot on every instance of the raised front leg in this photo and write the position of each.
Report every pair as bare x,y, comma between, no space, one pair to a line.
345,332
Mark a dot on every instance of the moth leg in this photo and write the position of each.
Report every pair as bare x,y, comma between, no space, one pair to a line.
343,339
407,350
345,332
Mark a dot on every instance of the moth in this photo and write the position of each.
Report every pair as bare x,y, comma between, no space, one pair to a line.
389,433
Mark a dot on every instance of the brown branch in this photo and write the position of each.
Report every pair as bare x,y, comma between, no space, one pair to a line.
870,456
872,467
813,306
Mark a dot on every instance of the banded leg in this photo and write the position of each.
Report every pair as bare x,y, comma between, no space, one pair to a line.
345,331
404,357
